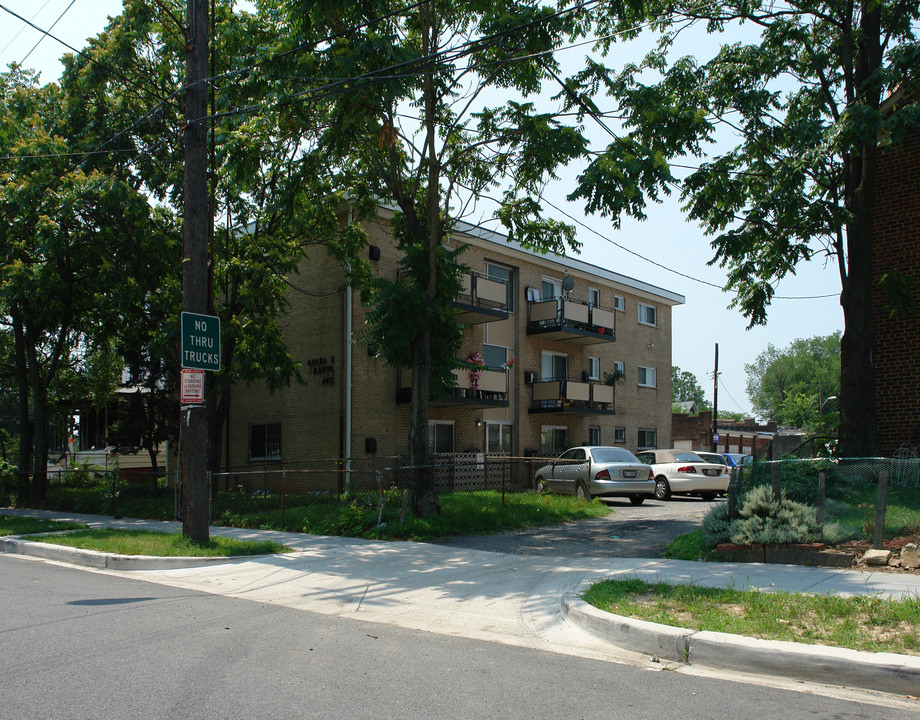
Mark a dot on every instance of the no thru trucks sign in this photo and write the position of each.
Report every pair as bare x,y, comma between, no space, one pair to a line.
200,341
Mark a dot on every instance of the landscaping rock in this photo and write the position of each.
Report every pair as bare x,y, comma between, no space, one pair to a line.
876,557
910,556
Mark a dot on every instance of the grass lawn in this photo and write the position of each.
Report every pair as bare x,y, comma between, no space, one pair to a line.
144,542
19,525
866,623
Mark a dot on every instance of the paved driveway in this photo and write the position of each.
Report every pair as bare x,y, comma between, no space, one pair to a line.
633,532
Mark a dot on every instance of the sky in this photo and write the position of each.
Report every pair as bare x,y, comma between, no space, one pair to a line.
672,249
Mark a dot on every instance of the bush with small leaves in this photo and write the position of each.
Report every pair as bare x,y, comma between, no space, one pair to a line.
716,526
764,519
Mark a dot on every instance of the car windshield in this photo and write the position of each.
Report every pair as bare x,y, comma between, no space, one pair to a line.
613,455
687,457
713,458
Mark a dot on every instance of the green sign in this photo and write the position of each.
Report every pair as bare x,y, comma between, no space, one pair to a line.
200,341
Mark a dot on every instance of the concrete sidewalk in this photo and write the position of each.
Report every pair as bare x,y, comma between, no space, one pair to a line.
515,599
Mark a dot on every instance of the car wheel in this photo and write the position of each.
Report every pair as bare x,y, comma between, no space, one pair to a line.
581,491
708,496
662,489
541,487
637,499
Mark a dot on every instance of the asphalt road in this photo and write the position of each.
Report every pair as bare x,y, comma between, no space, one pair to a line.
79,644
629,531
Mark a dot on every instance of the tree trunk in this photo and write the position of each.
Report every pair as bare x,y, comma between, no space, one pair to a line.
217,421
858,437
421,478
858,434
39,443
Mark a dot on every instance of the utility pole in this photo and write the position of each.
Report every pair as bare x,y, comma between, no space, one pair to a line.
715,404
193,427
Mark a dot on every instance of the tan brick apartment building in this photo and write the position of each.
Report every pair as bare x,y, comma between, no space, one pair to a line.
556,344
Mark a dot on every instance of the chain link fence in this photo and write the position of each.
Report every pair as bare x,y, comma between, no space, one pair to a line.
855,499
457,480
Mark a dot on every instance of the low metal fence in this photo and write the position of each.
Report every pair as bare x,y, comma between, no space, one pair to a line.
855,499
450,476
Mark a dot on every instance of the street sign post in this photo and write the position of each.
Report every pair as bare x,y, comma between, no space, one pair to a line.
200,341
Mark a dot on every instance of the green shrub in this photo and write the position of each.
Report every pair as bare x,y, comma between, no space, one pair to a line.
716,526
761,520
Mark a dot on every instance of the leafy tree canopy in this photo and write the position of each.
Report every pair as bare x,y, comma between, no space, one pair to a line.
786,123
798,386
685,387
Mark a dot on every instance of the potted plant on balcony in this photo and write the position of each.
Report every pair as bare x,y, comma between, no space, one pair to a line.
476,363
614,378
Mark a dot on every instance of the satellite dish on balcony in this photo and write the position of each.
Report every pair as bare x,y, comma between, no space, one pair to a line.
567,285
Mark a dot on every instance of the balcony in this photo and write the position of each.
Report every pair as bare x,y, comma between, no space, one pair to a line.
571,321
483,299
572,397
491,389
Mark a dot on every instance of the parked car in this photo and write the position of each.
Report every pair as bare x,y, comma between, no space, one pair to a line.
737,459
712,457
683,472
598,471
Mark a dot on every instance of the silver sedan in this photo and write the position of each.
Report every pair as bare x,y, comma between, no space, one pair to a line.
598,471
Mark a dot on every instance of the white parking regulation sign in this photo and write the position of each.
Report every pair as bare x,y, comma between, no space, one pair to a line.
192,387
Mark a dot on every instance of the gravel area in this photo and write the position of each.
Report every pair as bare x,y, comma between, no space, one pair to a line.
628,531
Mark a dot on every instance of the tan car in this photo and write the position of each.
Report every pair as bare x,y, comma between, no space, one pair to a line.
683,472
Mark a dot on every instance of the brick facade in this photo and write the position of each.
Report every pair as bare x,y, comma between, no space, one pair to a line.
692,432
896,352
313,416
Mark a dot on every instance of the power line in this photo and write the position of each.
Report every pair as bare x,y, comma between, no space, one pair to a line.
22,29
38,42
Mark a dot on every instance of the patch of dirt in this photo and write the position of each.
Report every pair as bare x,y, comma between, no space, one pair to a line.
894,544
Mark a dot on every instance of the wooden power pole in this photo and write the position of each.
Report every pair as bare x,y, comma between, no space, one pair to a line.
715,403
193,428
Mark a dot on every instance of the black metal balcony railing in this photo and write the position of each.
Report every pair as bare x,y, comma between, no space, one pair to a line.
489,389
482,299
571,321
560,396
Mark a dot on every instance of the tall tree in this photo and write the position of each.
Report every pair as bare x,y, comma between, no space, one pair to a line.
271,195
65,248
433,111
685,387
803,101
799,385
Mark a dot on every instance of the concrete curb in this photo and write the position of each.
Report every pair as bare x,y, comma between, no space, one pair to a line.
105,561
883,672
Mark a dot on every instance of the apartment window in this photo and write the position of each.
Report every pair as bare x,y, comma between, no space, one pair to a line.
646,376
440,437
619,303
494,356
265,441
619,368
553,439
619,434
594,368
594,297
648,315
594,435
498,437
498,272
551,288
553,366
648,438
